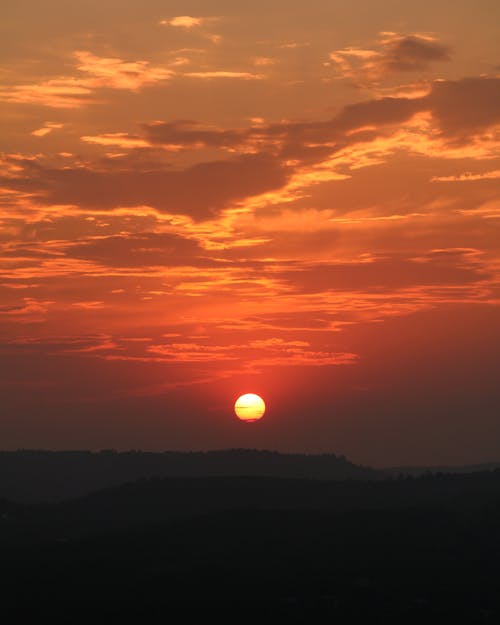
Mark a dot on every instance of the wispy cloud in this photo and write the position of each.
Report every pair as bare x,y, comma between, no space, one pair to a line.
468,177
264,61
115,73
93,73
208,75
64,92
255,354
185,21
195,24
46,129
119,139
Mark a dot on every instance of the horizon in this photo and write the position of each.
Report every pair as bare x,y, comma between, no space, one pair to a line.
335,455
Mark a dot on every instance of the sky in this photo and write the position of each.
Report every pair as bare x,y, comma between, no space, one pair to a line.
201,199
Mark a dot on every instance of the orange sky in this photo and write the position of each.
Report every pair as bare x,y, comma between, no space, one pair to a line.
202,199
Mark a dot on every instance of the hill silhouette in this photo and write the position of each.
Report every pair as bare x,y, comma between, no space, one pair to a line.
31,475
255,549
244,536
157,500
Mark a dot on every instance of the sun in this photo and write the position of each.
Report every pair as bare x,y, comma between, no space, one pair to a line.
249,407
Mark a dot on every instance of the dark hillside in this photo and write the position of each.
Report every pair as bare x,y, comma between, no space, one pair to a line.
43,475
263,550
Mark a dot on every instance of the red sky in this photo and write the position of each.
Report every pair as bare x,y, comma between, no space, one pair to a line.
203,199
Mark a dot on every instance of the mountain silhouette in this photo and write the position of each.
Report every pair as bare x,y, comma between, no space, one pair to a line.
30,475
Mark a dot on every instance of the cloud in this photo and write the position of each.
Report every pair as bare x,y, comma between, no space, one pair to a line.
411,53
207,355
299,140
350,62
95,73
264,61
258,353
293,45
459,110
450,267
120,139
64,92
490,210
224,74
89,305
393,53
200,191
379,112
145,249
468,177
185,21
31,310
188,134
275,162
115,73
47,128
465,107
190,23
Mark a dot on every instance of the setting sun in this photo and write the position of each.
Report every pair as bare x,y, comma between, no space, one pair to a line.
249,407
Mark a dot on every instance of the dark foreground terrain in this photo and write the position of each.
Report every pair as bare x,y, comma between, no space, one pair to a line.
258,550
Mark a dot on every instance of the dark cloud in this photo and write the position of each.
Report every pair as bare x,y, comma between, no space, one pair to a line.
188,133
137,250
281,137
462,108
392,54
377,112
412,53
145,249
199,191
